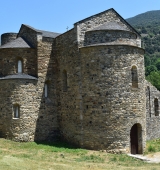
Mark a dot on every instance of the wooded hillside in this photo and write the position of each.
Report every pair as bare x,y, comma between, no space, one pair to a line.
148,25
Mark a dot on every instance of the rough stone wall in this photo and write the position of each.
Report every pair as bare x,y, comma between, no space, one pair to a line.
112,37
7,37
9,61
66,55
21,92
110,105
100,19
38,114
153,122
46,125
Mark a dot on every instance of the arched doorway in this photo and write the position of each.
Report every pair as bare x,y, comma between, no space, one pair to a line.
2,134
136,139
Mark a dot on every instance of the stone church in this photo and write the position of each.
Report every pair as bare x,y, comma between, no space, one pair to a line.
86,86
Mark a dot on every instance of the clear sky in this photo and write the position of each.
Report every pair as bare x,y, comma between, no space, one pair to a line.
57,15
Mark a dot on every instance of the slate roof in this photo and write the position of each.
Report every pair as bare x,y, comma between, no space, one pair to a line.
49,34
44,33
111,9
18,76
17,43
111,26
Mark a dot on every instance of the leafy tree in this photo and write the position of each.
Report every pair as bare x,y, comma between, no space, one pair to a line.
149,24
154,78
150,69
143,30
147,60
158,65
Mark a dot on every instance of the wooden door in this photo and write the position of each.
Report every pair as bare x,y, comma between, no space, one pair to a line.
134,139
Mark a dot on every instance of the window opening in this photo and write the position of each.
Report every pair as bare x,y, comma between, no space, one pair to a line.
16,111
64,80
46,90
19,66
156,107
134,77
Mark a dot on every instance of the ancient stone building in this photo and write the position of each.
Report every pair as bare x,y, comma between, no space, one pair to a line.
86,86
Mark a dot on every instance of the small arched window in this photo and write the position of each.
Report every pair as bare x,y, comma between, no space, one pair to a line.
16,111
156,107
134,77
19,66
64,77
46,89
149,98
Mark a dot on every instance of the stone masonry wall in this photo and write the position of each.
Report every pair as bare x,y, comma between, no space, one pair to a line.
100,19
38,118
110,105
38,114
22,92
66,55
46,125
9,61
112,37
7,37
153,121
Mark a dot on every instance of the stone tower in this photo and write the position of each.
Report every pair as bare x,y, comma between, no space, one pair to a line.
104,104
113,92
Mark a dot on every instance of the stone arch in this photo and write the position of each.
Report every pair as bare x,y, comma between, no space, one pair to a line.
64,79
16,111
156,107
148,103
2,133
134,74
136,141
19,65
46,88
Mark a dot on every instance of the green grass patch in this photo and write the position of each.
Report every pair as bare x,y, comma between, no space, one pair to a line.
125,160
152,146
90,158
23,155
62,156
49,147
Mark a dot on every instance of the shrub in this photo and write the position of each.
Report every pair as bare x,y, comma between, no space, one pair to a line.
151,148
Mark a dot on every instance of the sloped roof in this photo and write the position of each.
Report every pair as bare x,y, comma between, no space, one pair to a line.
111,26
111,9
18,76
17,43
44,33
49,34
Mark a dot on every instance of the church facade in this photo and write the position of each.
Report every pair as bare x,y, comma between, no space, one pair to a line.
86,86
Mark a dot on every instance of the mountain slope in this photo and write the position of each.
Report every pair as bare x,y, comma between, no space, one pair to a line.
148,25
145,18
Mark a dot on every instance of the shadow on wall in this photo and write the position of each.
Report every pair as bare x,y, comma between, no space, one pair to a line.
47,125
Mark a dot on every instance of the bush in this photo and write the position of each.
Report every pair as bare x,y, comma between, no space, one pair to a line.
151,148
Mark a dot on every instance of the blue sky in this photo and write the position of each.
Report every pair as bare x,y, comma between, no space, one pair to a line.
57,15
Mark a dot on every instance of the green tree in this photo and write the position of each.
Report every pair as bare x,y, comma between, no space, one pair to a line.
158,65
147,60
154,78
150,69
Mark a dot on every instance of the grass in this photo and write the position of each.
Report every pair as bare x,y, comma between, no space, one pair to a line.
61,156
91,158
153,146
